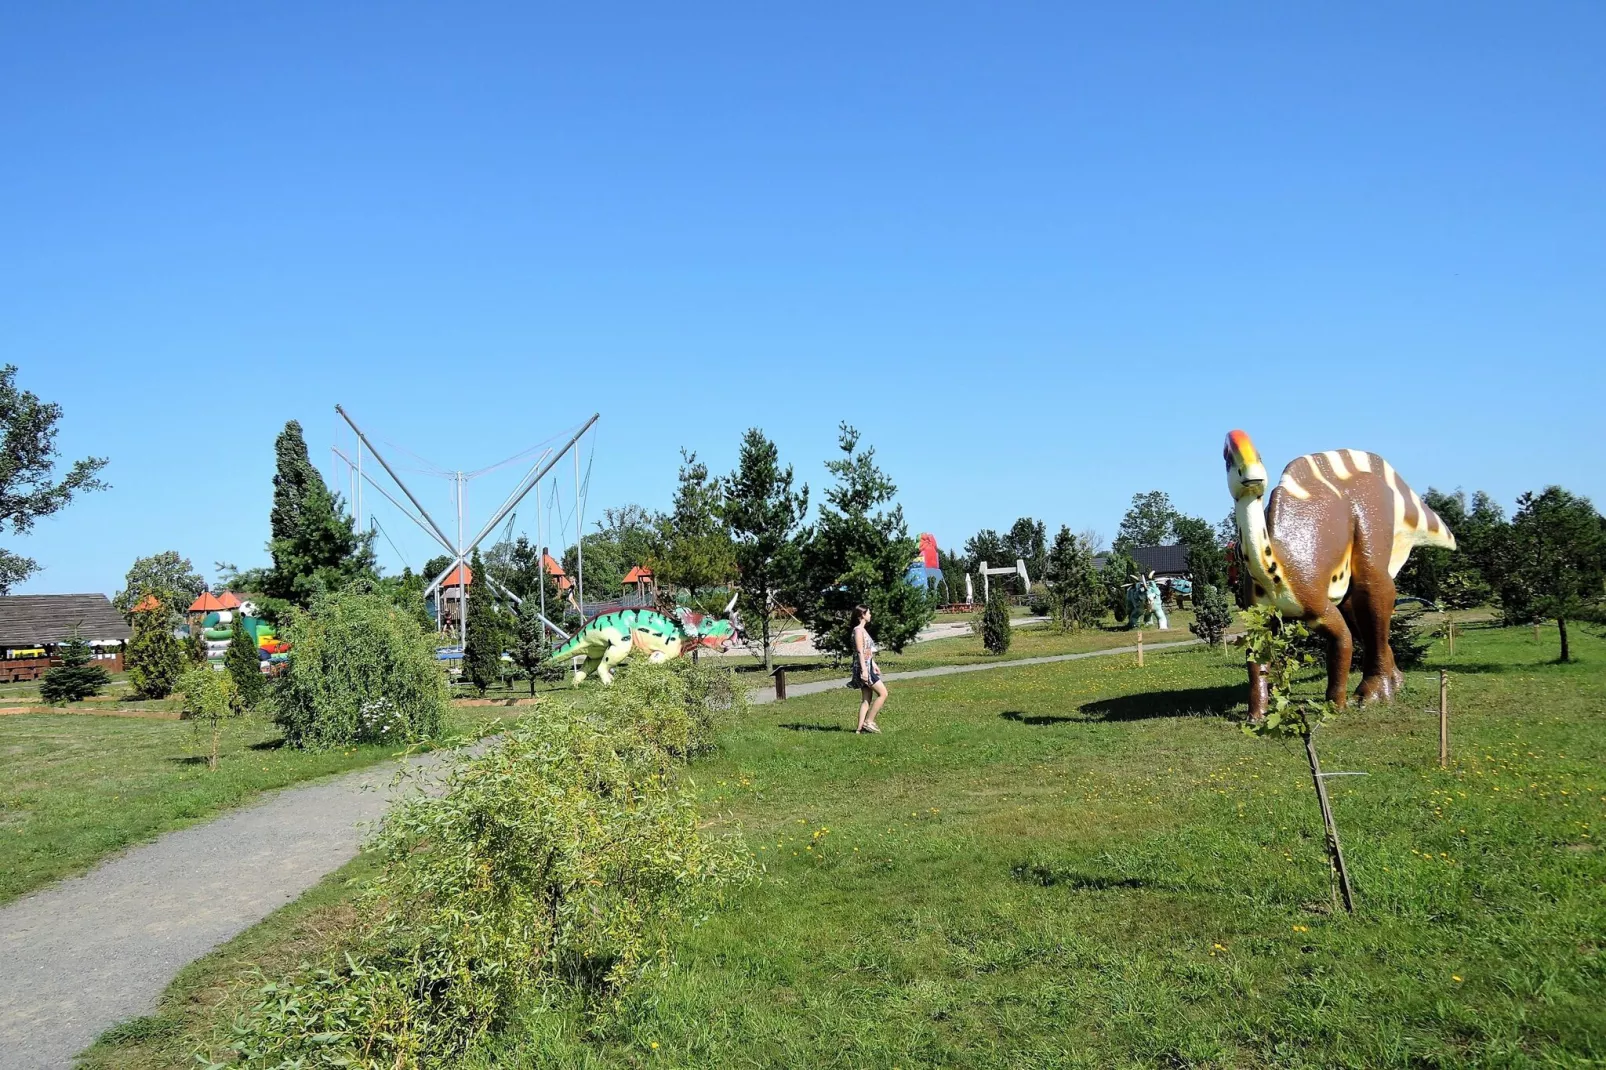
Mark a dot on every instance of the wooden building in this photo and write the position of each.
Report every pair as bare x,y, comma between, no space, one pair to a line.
33,628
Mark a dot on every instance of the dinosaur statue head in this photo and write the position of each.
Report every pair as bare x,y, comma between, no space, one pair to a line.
700,630
1246,475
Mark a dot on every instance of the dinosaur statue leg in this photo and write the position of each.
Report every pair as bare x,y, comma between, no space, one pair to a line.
588,668
1373,610
617,651
1332,626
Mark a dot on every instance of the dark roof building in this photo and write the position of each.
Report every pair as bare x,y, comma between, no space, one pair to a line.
1163,561
35,620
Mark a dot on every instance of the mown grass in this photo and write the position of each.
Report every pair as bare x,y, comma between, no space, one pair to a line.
77,788
1088,864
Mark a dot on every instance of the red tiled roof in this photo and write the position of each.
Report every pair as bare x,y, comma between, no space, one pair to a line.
148,603
639,574
454,578
229,600
207,603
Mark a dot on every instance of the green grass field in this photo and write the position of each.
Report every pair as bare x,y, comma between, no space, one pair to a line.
1089,864
78,788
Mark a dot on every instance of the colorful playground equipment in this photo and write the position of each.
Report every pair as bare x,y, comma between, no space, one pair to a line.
214,616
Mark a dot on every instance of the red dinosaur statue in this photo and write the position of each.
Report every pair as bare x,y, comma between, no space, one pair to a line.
1326,549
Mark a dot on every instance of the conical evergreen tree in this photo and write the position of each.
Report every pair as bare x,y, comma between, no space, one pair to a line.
293,475
530,648
315,544
482,652
244,665
77,677
195,647
154,657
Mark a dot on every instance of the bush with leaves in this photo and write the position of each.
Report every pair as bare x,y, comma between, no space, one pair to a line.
1212,615
557,863
677,706
77,677
210,698
995,630
352,649
154,658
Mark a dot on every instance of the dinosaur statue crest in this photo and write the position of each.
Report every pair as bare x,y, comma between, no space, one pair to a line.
1144,607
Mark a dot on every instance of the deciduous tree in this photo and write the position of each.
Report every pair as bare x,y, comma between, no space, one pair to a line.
1557,557
694,550
168,577
28,487
1150,521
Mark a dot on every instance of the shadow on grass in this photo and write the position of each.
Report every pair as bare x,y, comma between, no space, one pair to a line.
1187,702
194,759
270,744
1036,719
1053,877
799,726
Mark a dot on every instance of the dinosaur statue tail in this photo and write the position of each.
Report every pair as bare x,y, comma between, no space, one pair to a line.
1414,523
568,648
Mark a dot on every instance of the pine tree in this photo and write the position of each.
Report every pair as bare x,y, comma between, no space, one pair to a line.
1212,614
530,648
154,658
763,515
694,550
1075,593
195,647
314,544
1119,568
244,665
482,652
77,677
858,553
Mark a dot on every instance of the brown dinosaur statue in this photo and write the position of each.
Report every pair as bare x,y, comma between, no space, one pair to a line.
1326,549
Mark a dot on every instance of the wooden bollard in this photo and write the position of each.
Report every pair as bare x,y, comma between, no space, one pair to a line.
1444,719
780,683
1536,631
1140,650
1450,632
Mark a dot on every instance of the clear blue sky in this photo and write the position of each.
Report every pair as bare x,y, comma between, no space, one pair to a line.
1044,257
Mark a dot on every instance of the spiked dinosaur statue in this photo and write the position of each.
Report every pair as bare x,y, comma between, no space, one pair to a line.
607,640
1326,549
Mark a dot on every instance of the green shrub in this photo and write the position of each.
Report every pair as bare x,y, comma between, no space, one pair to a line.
360,670
677,706
558,861
154,657
210,698
995,622
242,664
1212,614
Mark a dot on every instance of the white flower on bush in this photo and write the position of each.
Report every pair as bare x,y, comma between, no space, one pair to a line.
380,719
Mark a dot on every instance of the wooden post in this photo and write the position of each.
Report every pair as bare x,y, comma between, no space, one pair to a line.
1259,693
1536,631
1450,631
1140,650
1335,852
780,683
1444,719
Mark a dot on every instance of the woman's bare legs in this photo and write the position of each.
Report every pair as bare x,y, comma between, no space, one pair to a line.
878,689
865,695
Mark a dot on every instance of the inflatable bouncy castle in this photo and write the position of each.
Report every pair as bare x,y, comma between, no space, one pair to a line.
924,572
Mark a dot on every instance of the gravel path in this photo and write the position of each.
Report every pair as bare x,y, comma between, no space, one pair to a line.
82,955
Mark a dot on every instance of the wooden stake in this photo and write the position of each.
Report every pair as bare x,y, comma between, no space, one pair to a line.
1444,719
1451,627
1140,650
780,683
1335,852
1536,631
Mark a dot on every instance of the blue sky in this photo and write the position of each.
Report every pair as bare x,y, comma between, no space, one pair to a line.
1044,256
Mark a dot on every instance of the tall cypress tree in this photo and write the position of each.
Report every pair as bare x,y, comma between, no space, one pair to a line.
315,544
243,664
153,657
482,652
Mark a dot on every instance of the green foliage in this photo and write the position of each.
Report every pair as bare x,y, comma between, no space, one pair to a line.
1212,614
694,550
315,545
1280,646
858,552
359,670
677,706
559,861
986,545
1119,568
1075,595
482,652
28,487
1151,521
1207,558
195,647
625,537
243,665
763,515
1555,559
210,698
407,591
995,626
154,659
1409,642
530,647
77,677
168,577
1455,579
1028,541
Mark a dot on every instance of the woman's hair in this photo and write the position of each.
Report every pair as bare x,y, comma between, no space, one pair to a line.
858,615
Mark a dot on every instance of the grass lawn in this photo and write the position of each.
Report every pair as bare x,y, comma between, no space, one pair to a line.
1087,865
76,788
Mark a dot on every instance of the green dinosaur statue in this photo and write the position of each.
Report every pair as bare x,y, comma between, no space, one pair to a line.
607,640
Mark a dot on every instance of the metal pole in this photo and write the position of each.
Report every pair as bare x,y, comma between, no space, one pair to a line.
540,564
357,491
392,473
404,512
462,576
579,544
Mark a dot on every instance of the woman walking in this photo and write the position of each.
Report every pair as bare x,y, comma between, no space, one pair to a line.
866,673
